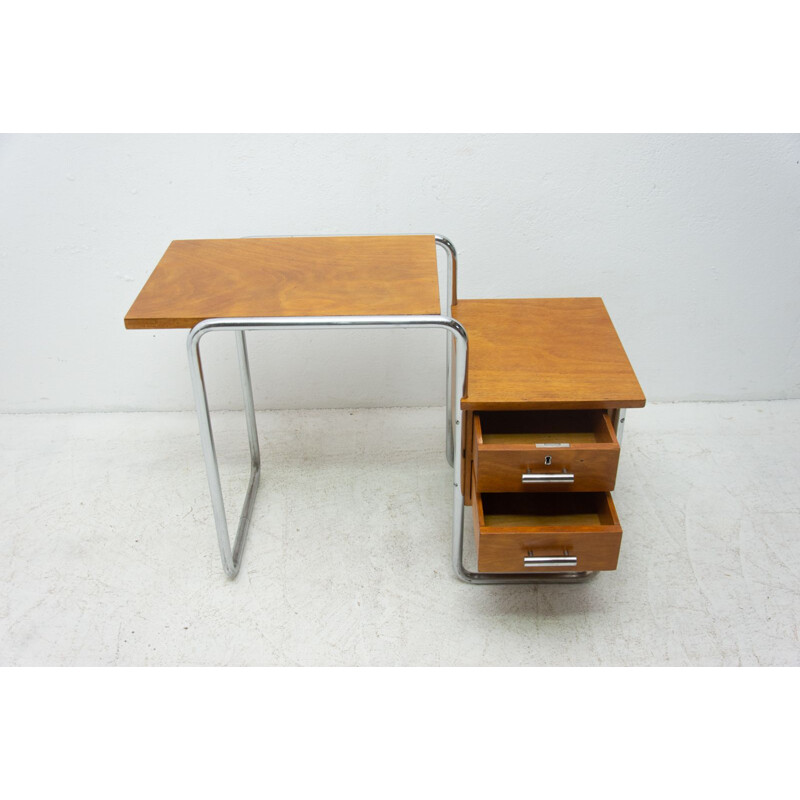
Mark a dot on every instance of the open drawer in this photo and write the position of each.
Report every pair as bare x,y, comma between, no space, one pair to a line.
571,532
545,451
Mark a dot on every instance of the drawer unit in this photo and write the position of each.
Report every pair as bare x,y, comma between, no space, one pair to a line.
546,532
544,451
546,379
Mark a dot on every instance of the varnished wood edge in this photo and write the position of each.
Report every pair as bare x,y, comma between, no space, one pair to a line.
477,513
147,324
506,447
613,511
550,405
537,529
489,530
509,447
467,456
609,429
137,323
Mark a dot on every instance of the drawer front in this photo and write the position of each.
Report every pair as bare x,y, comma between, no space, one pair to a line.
517,552
584,536
545,452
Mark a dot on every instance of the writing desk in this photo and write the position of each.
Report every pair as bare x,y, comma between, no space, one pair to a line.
325,283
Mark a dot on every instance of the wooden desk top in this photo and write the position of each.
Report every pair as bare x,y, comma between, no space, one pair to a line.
198,279
548,353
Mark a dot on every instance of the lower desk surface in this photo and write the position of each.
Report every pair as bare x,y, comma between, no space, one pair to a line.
545,354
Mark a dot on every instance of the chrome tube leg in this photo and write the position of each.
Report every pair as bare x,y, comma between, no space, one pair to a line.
449,434
255,453
458,344
452,271
452,441
231,557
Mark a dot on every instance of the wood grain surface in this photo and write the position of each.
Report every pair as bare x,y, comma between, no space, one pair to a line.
198,279
545,353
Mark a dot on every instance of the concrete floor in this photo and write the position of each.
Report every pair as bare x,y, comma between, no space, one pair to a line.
108,553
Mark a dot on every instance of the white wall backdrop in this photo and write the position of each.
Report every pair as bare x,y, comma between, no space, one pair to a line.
693,242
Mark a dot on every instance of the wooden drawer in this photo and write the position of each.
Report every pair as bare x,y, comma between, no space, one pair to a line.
512,527
544,451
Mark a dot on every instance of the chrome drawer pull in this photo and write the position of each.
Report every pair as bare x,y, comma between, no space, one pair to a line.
550,561
548,477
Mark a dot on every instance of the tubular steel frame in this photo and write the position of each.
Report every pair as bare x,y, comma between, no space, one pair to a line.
456,381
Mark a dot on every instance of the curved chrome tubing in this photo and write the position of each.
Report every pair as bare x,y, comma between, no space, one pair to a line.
231,561
452,280
231,557
452,299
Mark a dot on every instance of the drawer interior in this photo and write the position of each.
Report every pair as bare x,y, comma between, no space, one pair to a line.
577,509
548,428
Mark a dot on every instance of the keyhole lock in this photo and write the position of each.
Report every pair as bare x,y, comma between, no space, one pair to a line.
548,460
